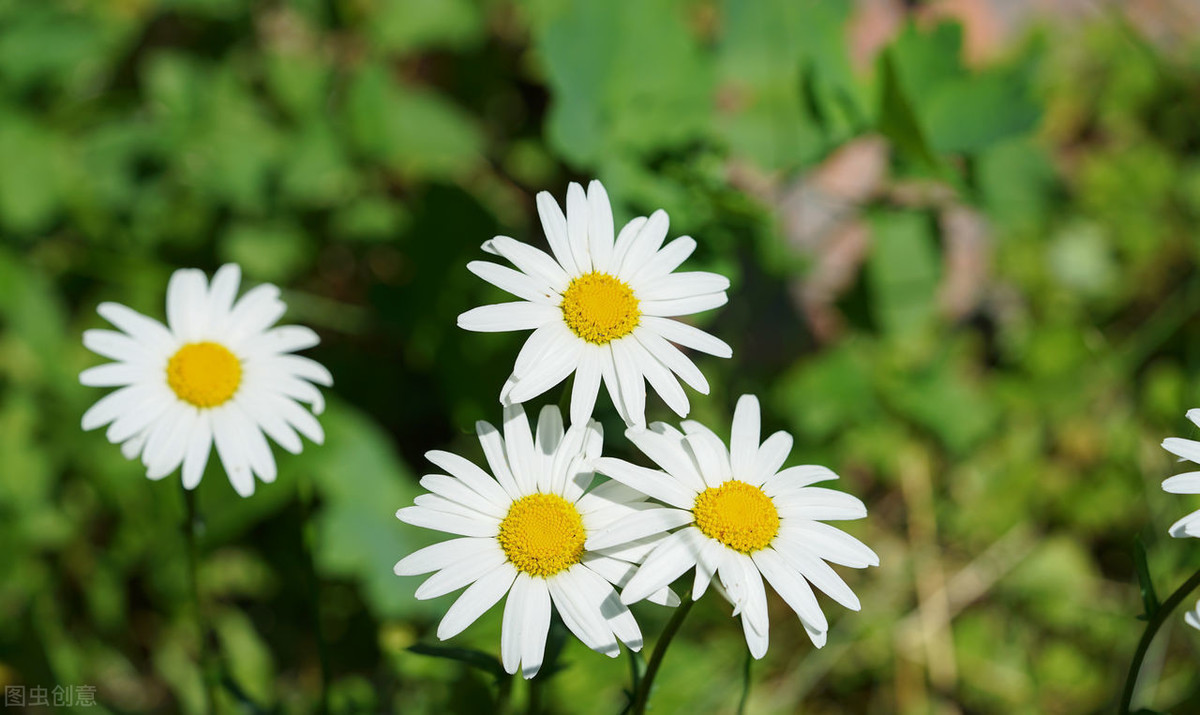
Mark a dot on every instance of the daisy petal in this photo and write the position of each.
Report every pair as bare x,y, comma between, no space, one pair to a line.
633,384
441,555
648,481
682,286
486,592
578,218
587,384
470,475
519,284
770,457
664,261
554,225
146,331
744,439
600,227
637,525
1186,483
687,336
791,587
671,307
504,317
530,261
198,449
675,555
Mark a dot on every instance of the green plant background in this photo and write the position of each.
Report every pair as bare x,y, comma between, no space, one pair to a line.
357,152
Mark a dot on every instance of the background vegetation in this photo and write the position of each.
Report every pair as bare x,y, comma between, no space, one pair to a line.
968,287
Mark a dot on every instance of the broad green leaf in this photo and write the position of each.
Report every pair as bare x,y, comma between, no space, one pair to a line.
596,57
973,113
361,483
785,82
247,657
903,271
898,119
416,132
31,174
957,110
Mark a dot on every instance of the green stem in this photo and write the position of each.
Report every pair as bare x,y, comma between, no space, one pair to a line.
207,669
635,674
1155,622
745,684
642,695
312,585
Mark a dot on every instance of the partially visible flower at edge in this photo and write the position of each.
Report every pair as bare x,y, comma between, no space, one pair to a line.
522,533
600,308
744,519
216,375
1186,483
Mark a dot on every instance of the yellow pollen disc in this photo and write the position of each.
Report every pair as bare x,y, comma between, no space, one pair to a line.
204,374
542,534
738,515
600,308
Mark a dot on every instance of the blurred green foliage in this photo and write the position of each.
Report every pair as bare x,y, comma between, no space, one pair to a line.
359,151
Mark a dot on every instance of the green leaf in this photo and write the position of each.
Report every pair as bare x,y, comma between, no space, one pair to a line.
1150,602
316,171
361,483
416,132
903,271
897,119
407,25
958,110
475,658
248,658
31,191
973,113
604,100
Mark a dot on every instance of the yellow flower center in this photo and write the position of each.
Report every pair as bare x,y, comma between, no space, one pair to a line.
738,515
204,374
542,534
600,308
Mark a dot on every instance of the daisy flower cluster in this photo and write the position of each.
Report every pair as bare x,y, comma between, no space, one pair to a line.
552,524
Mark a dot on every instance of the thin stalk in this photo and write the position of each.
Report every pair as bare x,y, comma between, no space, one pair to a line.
635,672
312,585
207,668
745,684
642,695
1152,626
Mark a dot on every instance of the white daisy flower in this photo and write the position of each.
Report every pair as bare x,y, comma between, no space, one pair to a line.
1188,482
600,309
523,534
743,520
1192,617
216,374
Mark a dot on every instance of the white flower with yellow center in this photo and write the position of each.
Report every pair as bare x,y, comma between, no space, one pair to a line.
523,533
600,308
1188,482
743,520
216,374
